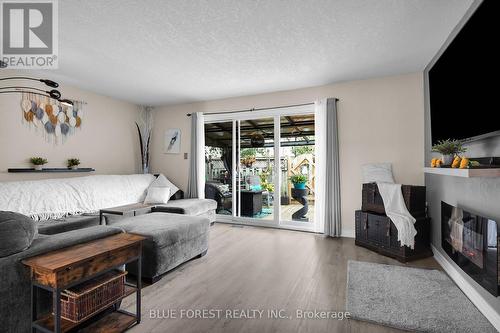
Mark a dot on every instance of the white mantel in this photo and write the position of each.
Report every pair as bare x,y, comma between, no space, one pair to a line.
467,173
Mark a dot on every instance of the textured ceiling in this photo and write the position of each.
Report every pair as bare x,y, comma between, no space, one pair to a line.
165,52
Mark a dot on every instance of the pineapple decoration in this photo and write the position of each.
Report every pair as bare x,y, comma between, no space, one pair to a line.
56,121
458,162
450,151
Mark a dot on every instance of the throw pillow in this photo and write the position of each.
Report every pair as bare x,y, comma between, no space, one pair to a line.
162,181
157,195
16,233
377,172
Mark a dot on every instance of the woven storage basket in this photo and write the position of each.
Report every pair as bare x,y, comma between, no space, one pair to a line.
84,300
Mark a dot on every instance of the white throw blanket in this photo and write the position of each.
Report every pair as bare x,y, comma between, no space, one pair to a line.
56,198
397,211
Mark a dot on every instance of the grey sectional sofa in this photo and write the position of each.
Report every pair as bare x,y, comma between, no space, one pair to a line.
172,238
177,205
173,235
15,280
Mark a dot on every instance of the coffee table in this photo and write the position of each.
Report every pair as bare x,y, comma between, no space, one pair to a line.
126,210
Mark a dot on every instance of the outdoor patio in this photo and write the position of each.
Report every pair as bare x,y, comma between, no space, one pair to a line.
288,210
257,167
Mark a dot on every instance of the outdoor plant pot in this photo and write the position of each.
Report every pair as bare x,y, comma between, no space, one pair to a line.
299,186
38,167
74,167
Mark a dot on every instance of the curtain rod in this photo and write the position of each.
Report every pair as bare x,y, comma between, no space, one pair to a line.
254,109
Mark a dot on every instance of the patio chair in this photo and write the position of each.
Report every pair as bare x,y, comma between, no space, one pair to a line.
221,194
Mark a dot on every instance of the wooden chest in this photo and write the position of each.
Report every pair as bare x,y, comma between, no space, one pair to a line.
414,197
378,233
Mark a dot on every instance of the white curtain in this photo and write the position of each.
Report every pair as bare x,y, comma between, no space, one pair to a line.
196,180
327,213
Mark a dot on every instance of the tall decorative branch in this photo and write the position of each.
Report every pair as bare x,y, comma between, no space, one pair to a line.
145,129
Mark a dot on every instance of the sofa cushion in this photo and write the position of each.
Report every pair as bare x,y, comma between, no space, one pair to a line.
164,229
377,172
56,226
162,181
16,233
157,195
192,207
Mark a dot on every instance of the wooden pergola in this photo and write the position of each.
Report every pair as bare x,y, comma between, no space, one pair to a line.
296,130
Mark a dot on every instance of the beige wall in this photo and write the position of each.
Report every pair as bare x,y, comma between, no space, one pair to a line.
107,140
379,120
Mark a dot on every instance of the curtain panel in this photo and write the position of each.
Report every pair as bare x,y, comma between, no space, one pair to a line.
196,180
328,209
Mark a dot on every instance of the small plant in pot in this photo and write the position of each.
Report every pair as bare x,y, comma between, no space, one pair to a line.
448,149
38,162
299,181
73,163
248,161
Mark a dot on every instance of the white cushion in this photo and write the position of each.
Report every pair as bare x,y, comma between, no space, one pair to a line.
162,181
157,195
377,173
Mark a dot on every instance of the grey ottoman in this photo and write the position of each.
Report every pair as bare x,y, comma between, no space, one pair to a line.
172,239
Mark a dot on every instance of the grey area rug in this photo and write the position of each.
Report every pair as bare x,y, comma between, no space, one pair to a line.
411,299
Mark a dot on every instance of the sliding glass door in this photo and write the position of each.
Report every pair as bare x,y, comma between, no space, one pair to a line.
298,169
255,183
219,165
252,161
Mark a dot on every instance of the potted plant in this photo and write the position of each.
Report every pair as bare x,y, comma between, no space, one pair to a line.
38,162
248,161
299,181
73,163
248,156
448,149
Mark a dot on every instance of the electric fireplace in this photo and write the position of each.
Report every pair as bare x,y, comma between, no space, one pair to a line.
471,241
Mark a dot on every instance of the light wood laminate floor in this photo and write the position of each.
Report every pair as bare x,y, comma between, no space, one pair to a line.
261,268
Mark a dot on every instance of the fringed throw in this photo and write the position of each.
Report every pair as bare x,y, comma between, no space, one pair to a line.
57,198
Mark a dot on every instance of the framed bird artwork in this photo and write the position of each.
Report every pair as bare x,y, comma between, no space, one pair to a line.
172,143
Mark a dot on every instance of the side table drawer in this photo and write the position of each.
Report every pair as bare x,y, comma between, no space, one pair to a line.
62,278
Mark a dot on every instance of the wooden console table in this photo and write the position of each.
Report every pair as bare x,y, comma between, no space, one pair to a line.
62,269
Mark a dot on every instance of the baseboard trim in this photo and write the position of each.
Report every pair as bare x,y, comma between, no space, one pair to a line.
347,233
486,309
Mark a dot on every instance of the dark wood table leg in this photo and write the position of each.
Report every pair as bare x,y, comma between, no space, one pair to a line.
33,306
139,286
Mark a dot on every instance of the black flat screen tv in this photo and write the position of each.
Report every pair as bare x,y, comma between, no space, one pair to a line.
463,82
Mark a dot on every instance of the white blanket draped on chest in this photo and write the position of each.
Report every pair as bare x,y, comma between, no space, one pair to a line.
56,198
396,210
